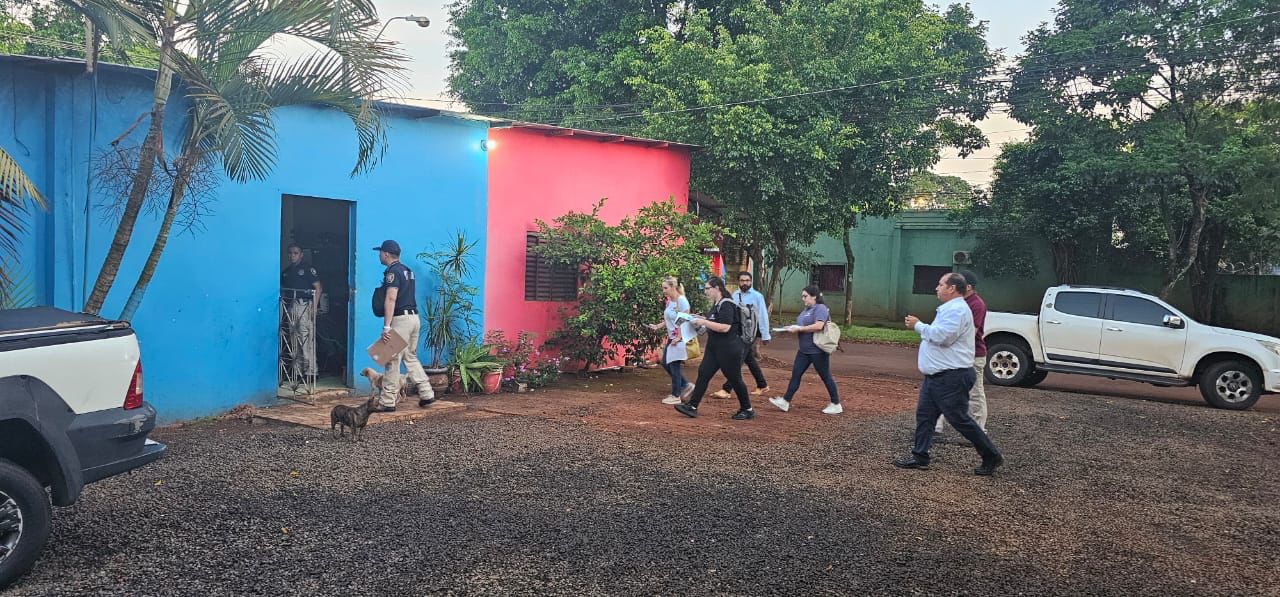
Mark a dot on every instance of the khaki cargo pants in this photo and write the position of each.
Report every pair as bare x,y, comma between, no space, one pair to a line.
408,327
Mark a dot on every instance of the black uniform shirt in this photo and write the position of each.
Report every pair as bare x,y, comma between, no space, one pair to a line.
299,277
399,276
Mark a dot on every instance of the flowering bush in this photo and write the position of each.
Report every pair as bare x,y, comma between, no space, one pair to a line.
525,364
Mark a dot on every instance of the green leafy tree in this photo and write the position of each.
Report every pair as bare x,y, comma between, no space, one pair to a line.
811,162
621,270
1066,185
1166,73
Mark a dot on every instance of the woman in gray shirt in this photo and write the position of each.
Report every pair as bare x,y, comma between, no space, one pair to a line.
812,319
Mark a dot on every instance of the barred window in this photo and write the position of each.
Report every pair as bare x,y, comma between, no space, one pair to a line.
544,281
828,278
926,278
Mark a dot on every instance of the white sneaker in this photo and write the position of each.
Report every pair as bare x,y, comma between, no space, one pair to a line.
833,409
781,403
671,400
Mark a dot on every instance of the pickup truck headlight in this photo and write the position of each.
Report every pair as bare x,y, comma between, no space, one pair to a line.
1272,346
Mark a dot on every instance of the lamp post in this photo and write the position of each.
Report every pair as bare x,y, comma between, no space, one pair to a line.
423,22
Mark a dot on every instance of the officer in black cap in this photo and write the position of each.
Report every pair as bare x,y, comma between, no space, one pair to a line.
300,287
395,303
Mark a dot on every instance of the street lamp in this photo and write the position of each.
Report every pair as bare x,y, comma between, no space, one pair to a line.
423,22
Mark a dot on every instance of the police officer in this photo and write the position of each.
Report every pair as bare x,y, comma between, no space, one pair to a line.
301,290
399,312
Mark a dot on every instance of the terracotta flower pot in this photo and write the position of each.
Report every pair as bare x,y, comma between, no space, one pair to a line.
492,381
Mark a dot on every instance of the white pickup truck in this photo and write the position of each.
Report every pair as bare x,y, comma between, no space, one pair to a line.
1124,334
71,413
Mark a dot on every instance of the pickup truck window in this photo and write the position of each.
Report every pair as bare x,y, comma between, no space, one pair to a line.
1132,309
1082,304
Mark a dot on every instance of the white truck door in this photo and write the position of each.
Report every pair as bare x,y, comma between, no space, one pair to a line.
1071,326
1142,335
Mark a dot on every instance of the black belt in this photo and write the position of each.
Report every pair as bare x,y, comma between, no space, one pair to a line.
945,372
411,311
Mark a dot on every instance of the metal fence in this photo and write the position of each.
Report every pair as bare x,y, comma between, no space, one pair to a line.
297,368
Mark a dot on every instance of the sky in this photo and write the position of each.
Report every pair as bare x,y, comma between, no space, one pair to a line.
1007,20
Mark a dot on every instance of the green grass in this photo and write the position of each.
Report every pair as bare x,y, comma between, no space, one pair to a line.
879,335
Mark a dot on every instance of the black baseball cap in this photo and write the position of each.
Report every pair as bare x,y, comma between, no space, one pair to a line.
970,278
390,246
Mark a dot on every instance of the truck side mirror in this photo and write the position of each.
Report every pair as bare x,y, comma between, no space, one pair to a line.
1175,322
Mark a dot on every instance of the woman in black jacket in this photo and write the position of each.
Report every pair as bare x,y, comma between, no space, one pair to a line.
724,351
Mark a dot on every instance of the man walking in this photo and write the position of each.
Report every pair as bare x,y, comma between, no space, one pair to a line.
399,314
946,360
748,297
978,395
300,288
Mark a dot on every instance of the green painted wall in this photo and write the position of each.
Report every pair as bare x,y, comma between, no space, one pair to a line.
886,251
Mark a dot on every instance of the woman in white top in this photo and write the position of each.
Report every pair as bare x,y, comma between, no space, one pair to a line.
674,353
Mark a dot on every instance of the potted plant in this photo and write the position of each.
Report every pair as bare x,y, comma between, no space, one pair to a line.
448,312
477,367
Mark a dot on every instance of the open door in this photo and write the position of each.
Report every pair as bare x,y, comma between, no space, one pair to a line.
320,229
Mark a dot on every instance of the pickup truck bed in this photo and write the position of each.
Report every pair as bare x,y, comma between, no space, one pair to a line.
71,413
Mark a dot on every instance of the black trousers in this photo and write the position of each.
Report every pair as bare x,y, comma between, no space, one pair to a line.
752,358
728,362
947,394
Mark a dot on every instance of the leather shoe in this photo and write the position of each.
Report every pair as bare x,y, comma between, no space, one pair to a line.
424,402
912,462
378,408
686,410
989,468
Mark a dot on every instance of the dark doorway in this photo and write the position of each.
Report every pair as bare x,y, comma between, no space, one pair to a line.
322,229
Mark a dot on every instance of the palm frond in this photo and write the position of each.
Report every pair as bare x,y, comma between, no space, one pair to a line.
16,189
17,288
126,23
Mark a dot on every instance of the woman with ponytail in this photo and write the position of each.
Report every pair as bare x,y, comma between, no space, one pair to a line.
724,351
812,319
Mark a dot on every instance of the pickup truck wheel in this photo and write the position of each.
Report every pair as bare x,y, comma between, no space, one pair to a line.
1231,385
1007,365
25,515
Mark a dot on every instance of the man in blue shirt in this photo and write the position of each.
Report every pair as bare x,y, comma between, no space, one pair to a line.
746,296
946,360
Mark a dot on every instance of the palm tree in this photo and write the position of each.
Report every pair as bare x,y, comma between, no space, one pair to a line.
232,85
16,189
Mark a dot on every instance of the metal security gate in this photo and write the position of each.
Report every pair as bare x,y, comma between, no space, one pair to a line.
297,367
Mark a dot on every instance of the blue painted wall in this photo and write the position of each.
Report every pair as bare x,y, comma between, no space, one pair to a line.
208,324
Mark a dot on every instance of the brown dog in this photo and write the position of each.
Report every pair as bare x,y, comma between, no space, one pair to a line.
375,380
355,417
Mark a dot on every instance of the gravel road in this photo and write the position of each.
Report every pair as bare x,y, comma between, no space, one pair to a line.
1099,496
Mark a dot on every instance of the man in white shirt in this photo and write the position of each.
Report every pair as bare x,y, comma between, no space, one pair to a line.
946,360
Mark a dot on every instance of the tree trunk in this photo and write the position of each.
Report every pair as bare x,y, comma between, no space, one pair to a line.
756,252
1204,275
186,164
152,149
1065,262
1180,262
848,278
779,262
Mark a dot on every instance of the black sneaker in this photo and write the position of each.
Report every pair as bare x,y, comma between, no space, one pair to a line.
425,402
744,415
989,468
686,410
378,408
912,462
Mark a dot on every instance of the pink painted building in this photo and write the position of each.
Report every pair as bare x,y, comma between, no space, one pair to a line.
540,172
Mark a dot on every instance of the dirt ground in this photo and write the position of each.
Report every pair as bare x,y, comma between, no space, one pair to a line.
595,488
